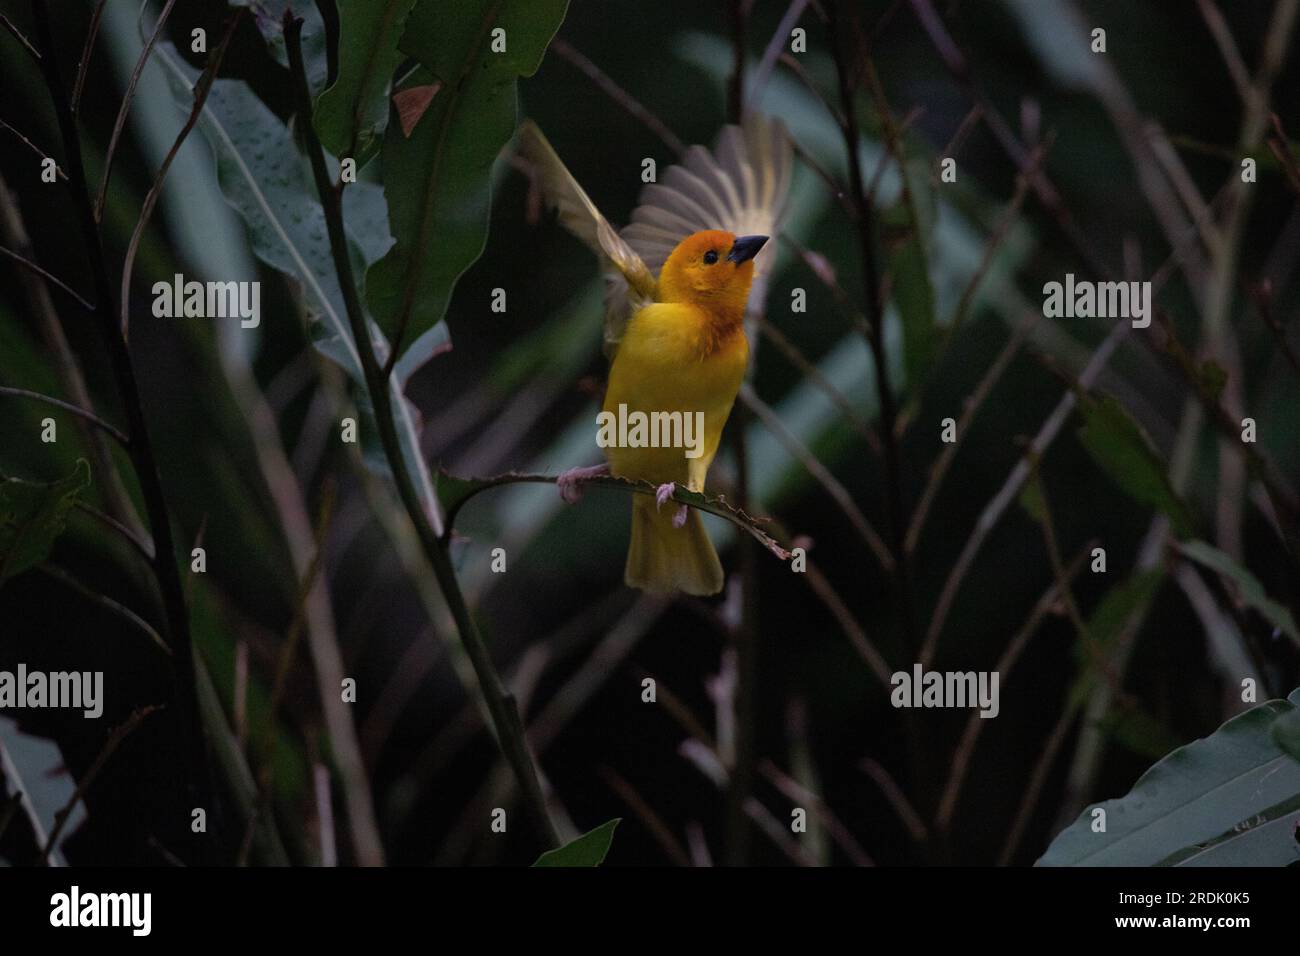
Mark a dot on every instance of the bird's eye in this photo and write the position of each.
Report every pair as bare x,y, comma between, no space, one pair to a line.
710,257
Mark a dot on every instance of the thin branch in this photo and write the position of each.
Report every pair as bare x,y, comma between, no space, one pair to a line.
1280,146
714,506
792,63
959,67
774,48
87,49
119,734
842,35
106,602
48,277
798,793
202,87
975,723
18,35
142,546
1000,230
662,833
68,368
1264,305
284,663
1237,69
835,187
500,703
911,820
1045,761
825,273
81,413
994,510
622,97
939,470
140,447
815,375
120,123
58,170
819,472
959,137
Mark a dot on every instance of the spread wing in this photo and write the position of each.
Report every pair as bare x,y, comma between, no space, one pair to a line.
629,282
741,186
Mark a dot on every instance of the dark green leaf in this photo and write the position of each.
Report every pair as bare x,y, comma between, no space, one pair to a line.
1122,450
1286,733
264,178
1228,798
1247,585
32,515
437,181
587,850
352,114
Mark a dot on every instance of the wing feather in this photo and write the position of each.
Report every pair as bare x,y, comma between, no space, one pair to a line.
741,186
577,213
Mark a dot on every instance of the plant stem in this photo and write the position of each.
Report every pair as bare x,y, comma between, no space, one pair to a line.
499,701
844,33
140,448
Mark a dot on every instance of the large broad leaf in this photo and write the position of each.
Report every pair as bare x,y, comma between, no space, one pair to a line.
1229,799
32,515
1125,453
33,769
352,114
1248,586
437,181
587,850
264,178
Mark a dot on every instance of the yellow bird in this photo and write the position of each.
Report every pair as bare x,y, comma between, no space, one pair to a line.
677,341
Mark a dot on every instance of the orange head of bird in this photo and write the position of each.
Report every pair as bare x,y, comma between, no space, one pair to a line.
712,269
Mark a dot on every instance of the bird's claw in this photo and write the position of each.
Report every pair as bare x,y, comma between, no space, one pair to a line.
570,482
664,492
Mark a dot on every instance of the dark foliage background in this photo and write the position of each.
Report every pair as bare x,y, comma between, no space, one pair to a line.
518,389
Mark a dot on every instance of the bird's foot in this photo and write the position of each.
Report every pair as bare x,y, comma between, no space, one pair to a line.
570,482
665,493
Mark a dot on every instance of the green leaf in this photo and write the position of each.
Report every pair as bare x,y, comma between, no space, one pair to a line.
1286,733
352,114
1247,585
438,181
1124,452
1227,798
32,516
264,178
587,850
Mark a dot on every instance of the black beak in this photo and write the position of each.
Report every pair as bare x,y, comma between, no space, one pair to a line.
746,248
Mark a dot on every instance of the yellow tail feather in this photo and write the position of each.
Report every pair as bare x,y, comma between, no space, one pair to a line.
663,558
